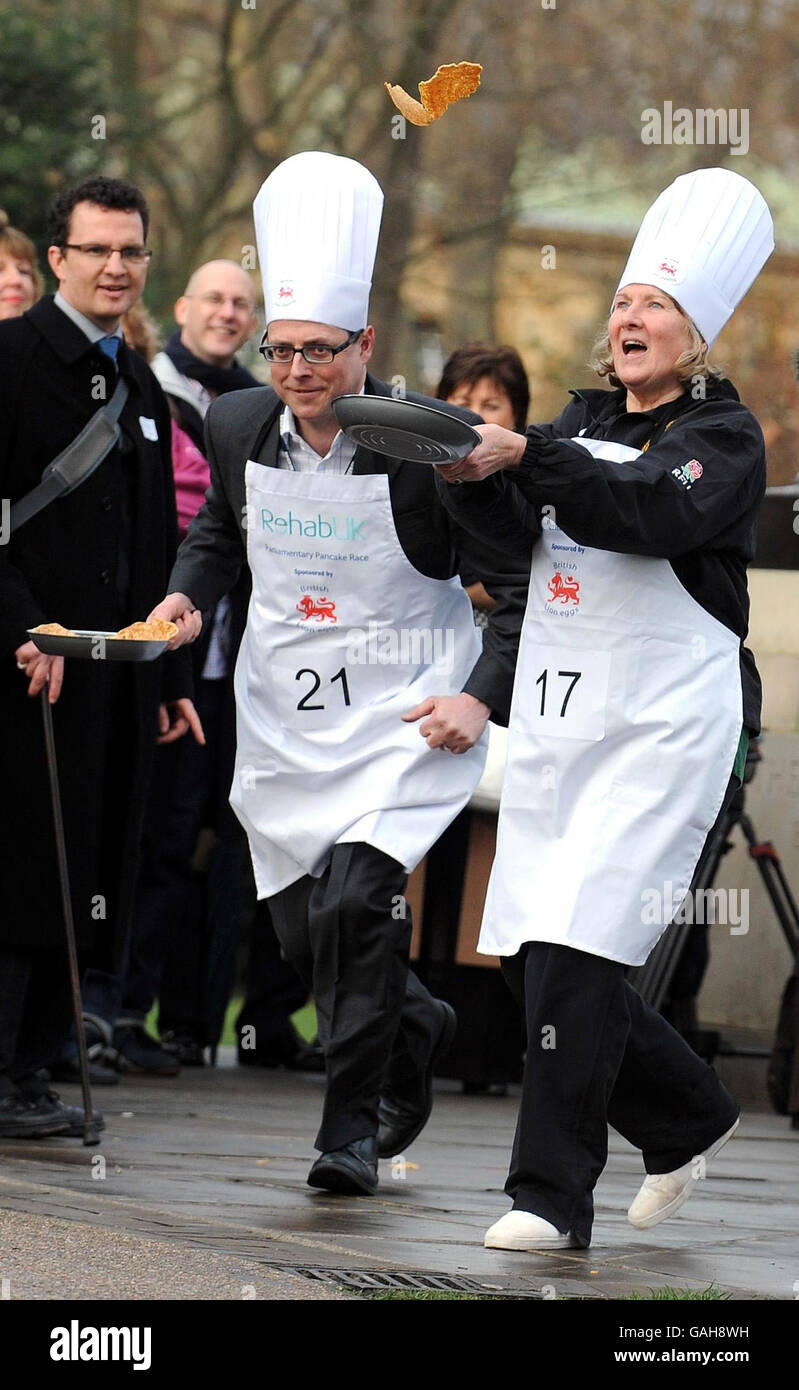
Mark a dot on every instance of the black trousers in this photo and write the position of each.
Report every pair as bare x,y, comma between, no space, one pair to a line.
274,990
35,1014
186,922
597,1054
348,936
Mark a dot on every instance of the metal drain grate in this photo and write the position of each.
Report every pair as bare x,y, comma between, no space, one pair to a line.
377,1281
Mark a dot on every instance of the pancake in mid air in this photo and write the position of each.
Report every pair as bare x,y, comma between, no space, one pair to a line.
448,85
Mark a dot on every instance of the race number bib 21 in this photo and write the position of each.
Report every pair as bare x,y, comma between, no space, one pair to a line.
316,687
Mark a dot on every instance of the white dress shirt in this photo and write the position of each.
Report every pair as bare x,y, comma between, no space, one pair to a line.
294,452
93,333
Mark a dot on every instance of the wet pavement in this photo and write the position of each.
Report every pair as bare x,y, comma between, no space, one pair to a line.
197,1191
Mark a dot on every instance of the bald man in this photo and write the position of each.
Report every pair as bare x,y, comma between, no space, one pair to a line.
177,915
215,317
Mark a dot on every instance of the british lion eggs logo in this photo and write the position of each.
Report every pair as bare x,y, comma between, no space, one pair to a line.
563,592
317,610
285,293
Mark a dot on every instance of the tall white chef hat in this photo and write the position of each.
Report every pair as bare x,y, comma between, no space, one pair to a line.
317,220
704,240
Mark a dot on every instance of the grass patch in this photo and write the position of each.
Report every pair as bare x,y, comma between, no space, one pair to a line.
668,1294
304,1021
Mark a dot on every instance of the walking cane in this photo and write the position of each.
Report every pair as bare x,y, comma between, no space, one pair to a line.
90,1132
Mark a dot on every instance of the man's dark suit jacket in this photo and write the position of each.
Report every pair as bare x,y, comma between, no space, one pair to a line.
245,425
97,558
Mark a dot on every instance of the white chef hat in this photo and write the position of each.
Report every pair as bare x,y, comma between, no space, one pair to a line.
317,220
704,240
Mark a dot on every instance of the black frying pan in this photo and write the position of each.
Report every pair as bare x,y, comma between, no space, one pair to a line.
405,430
101,646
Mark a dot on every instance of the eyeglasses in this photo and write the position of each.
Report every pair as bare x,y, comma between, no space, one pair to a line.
132,255
215,300
315,353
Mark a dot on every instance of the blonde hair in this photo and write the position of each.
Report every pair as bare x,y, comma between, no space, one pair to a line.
690,364
141,330
21,248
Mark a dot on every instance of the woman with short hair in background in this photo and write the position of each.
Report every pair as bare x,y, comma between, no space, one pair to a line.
489,380
492,382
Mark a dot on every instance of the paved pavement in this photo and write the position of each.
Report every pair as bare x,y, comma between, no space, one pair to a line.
197,1191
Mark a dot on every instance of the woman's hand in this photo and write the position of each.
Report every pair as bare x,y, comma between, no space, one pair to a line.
500,449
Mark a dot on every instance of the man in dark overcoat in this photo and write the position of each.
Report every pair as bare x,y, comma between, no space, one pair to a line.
96,558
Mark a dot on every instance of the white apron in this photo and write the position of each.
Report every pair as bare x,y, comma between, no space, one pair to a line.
343,635
625,722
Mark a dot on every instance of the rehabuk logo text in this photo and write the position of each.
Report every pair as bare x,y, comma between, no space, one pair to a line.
76,1343
323,528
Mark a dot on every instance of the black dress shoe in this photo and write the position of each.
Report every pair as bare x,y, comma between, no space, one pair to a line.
23,1118
286,1049
187,1050
401,1119
66,1064
41,1117
135,1053
72,1115
67,1069
351,1170
308,1057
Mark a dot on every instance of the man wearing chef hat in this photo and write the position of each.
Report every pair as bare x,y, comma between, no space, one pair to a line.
339,796
633,702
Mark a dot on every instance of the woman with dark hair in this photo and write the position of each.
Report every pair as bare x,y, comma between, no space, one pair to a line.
633,702
490,381
21,283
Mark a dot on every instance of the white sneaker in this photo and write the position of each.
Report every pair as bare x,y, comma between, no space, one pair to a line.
661,1194
521,1230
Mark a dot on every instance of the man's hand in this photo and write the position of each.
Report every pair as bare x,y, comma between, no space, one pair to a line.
500,448
37,667
175,718
455,721
178,608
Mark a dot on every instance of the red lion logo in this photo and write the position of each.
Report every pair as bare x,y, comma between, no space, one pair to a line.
317,609
667,268
565,589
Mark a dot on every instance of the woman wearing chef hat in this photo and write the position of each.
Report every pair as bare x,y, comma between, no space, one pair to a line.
633,701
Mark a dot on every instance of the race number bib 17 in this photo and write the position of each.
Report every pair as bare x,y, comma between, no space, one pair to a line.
565,693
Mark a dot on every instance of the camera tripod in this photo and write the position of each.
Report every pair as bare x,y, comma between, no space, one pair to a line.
654,979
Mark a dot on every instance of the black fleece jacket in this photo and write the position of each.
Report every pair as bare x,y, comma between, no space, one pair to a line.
691,497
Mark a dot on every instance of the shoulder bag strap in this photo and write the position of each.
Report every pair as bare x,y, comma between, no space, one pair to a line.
77,462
